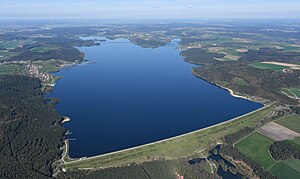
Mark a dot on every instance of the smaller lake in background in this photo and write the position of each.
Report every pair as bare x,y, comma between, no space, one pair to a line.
132,96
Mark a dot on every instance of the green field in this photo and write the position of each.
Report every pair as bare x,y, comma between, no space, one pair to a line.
265,66
48,66
42,49
293,163
295,91
186,145
257,146
283,170
7,69
292,48
296,141
291,122
5,54
14,43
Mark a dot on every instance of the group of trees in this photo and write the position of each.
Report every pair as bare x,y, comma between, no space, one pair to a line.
264,84
271,54
30,132
200,56
283,150
235,154
234,137
59,53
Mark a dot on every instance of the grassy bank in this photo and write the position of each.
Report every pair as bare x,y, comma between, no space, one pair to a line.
177,147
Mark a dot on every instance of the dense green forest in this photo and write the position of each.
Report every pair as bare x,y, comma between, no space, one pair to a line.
283,150
30,132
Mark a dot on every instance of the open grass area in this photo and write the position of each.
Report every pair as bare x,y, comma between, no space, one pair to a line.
7,69
14,43
257,146
295,91
296,142
48,66
283,170
293,163
265,66
292,48
5,54
184,145
292,122
42,49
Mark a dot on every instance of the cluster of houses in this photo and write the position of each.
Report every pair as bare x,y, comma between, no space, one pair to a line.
34,70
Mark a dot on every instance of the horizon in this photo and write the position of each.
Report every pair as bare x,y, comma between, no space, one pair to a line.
146,9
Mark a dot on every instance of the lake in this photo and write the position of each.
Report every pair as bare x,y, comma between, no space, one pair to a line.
132,96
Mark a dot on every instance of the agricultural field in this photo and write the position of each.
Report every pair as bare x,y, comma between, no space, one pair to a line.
42,49
265,66
256,146
7,69
295,91
48,66
277,132
15,43
286,169
292,48
5,54
296,142
292,122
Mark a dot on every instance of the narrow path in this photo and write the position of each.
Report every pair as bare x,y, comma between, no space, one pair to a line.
211,166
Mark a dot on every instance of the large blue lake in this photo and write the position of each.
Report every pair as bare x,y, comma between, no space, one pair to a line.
133,95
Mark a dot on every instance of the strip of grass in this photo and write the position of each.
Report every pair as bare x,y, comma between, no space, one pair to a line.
174,148
292,122
265,66
257,146
281,170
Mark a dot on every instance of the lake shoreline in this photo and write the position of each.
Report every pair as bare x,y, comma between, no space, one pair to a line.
232,93
177,136
74,160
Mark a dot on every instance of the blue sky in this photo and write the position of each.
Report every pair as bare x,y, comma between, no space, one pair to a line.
156,9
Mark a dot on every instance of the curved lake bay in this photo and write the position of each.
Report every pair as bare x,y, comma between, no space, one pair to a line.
134,95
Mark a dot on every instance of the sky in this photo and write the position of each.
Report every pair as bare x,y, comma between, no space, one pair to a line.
148,9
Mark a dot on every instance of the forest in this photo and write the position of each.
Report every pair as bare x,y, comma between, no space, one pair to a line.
284,150
264,84
31,136
235,154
